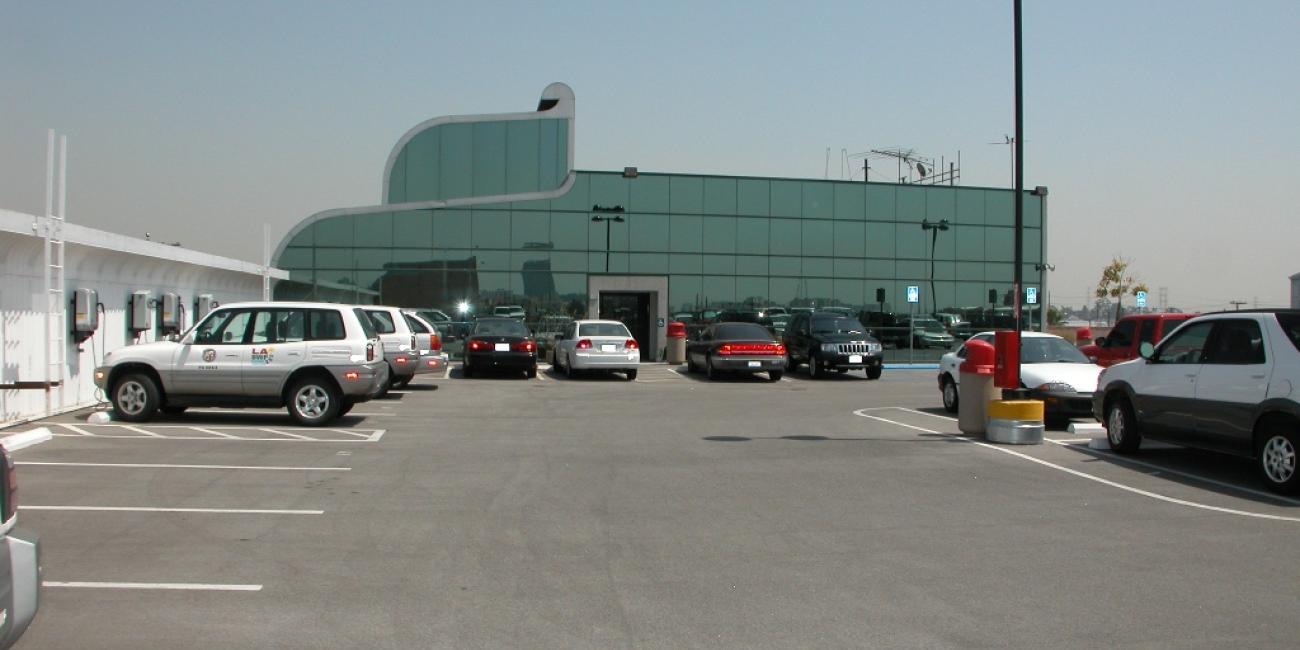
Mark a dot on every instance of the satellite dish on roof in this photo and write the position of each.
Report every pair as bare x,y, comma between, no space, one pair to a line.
920,169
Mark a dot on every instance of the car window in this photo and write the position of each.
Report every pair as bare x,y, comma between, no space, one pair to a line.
415,325
1186,345
1237,342
327,325
277,326
1122,335
225,328
382,322
742,331
1049,349
837,325
1291,327
500,328
1147,333
603,329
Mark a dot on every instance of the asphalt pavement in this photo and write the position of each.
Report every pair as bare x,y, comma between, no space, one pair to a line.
671,511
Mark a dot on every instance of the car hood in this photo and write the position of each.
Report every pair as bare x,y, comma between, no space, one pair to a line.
844,338
1083,376
157,350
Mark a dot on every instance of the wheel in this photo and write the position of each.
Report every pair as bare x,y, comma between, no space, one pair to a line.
345,407
568,369
708,369
403,382
173,410
949,394
774,375
313,401
631,375
1277,459
531,372
690,364
1121,427
465,369
135,398
388,384
815,370
873,373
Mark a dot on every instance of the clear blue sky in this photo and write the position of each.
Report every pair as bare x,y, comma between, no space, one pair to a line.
1167,131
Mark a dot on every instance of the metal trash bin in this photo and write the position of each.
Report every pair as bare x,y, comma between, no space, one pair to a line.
976,388
676,342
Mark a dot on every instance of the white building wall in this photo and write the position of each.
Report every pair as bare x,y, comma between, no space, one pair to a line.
112,265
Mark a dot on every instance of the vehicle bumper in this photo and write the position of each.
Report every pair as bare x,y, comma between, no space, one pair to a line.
1065,404
606,360
432,362
369,379
24,551
404,364
846,362
516,360
751,364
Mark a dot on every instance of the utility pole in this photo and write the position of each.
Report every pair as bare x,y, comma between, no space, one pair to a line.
1018,281
1237,304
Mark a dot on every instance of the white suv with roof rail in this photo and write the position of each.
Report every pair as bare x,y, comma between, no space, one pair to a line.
315,359
400,347
1227,382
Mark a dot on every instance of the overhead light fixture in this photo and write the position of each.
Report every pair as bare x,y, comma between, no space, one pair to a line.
629,172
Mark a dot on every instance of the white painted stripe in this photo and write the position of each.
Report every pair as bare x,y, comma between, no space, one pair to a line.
215,433
349,433
74,429
448,372
373,437
25,439
183,586
210,511
1067,441
167,466
373,415
1090,477
285,433
139,430
214,427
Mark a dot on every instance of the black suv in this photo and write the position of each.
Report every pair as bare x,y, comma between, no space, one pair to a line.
831,341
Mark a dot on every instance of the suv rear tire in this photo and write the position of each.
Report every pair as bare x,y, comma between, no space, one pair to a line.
873,373
313,401
631,375
1121,427
135,398
815,371
1277,459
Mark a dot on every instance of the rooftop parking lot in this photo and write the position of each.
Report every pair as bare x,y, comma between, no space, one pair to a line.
501,511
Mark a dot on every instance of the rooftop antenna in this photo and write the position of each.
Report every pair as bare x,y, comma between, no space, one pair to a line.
1010,143
921,169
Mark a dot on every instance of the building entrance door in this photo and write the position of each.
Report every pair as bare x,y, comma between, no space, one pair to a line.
632,308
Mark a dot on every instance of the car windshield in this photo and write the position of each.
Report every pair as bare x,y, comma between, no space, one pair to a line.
928,324
1049,349
603,329
837,325
741,332
500,327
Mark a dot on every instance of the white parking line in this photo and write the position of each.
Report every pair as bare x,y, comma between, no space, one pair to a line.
166,466
184,586
448,372
209,511
1074,472
139,430
284,433
216,432
75,429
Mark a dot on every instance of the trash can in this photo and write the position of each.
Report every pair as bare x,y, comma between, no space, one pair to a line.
1082,336
1016,422
977,388
676,342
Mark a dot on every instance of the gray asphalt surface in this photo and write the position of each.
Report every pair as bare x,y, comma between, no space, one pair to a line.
667,512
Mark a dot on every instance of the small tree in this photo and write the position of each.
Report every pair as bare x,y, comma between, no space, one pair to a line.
1054,316
1116,281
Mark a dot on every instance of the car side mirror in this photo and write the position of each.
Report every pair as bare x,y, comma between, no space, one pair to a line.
174,337
1100,341
1146,350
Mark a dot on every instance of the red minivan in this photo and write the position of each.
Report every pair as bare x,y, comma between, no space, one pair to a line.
1130,332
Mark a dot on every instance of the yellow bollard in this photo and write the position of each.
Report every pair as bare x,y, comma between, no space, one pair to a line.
1015,422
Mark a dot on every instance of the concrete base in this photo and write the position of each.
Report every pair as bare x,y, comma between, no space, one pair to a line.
1015,432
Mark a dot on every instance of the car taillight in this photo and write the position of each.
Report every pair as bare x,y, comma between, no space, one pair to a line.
435,342
475,344
751,348
352,375
10,486
630,344
524,346
370,352
584,344
780,348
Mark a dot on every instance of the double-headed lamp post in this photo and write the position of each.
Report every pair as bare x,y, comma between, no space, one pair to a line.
617,218
934,229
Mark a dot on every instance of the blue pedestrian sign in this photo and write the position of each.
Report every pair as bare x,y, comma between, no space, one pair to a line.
1141,298
913,293
1031,295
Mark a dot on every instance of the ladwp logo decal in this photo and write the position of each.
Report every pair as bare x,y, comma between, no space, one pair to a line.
263,356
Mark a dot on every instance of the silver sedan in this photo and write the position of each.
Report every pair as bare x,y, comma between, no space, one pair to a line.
597,345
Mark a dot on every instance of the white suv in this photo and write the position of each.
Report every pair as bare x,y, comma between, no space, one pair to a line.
400,347
1227,382
316,359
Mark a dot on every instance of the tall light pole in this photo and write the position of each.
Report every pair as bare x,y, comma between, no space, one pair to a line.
617,218
934,229
1019,146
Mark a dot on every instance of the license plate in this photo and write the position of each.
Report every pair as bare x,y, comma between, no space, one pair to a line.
855,358
503,347
608,347
755,364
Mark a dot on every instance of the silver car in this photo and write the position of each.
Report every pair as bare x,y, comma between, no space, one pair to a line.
315,359
597,345
20,563
400,348
429,341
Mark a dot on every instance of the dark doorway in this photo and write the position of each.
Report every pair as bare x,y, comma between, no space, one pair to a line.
633,310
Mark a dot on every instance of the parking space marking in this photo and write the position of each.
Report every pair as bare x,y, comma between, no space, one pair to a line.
207,511
168,466
183,586
1067,470
218,432
447,374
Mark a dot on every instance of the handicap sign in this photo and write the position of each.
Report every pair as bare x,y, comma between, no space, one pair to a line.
659,323
1031,295
1141,298
913,293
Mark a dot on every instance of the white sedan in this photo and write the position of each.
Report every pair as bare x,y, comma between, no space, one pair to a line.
1050,367
596,345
